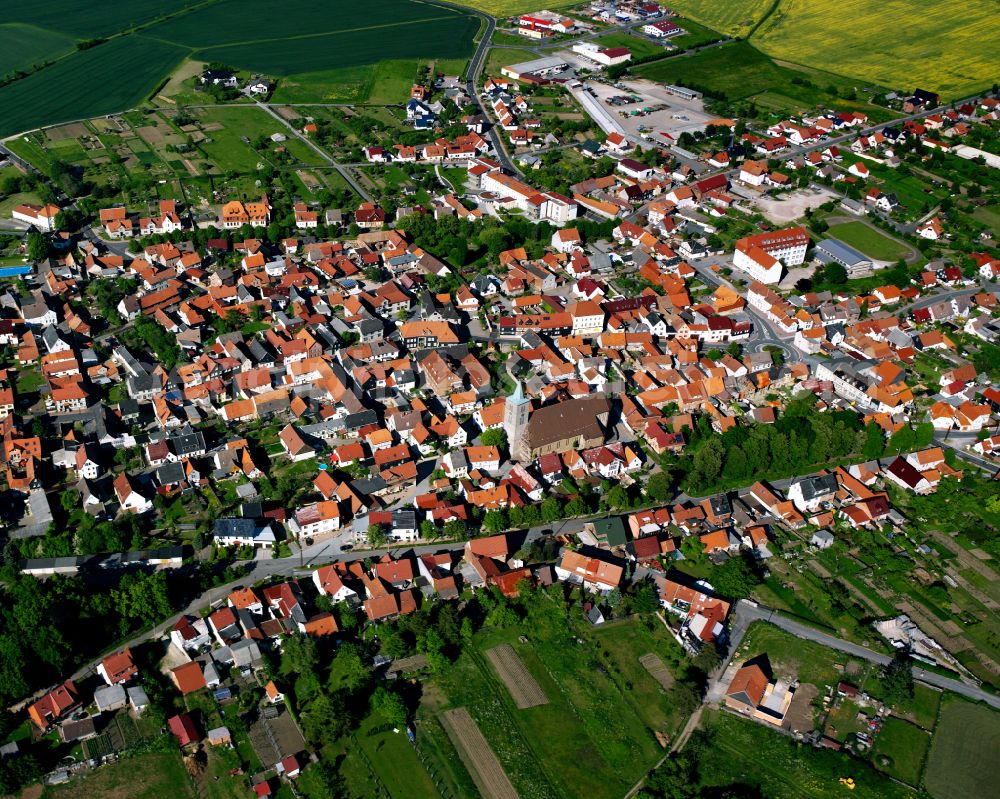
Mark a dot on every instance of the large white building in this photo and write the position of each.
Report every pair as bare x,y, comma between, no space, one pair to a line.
762,255
757,263
536,205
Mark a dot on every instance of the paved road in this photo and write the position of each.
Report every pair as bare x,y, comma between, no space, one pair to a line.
747,613
344,172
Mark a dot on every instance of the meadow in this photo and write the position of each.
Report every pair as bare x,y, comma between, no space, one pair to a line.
745,751
592,738
900,750
146,776
966,741
739,71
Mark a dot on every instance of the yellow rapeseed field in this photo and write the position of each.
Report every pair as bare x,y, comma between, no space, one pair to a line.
732,17
509,8
948,46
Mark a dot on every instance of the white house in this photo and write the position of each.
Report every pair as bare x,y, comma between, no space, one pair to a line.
42,217
328,582
318,518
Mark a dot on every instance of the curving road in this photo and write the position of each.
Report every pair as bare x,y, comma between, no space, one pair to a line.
748,612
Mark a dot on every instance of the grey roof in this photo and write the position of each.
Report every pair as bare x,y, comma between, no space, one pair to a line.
839,252
818,486
110,696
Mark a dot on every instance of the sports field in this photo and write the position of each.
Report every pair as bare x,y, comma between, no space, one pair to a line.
963,753
869,241
297,37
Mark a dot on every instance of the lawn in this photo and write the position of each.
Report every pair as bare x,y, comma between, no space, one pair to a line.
739,71
394,759
989,215
747,752
496,59
146,776
966,741
949,46
8,203
868,240
23,46
900,750
640,46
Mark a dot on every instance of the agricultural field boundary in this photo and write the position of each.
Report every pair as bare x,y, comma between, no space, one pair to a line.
477,755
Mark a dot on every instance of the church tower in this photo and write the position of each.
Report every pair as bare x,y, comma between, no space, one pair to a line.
517,409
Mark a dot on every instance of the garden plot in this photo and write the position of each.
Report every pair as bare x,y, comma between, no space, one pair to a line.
523,688
658,670
475,752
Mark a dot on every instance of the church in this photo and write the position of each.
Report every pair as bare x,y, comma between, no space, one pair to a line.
569,425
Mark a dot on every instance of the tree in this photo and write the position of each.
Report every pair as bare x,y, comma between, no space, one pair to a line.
70,500
376,536
658,487
390,706
897,680
734,579
325,718
835,274
38,246
645,600
494,437
427,529
874,441
495,521
618,497
299,655
577,507
550,510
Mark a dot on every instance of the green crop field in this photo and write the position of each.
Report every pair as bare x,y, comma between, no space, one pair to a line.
85,20
22,46
448,36
868,240
102,80
966,741
318,43
245,22
900,749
